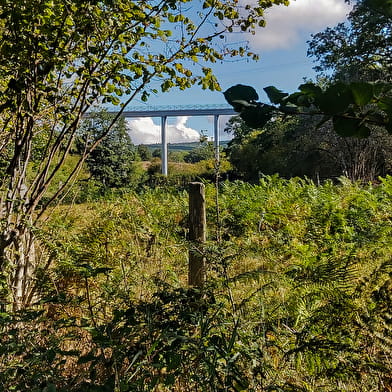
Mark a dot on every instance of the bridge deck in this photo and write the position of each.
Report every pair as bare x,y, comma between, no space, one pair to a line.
174,111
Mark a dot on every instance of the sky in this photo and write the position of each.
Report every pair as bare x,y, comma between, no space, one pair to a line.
282,47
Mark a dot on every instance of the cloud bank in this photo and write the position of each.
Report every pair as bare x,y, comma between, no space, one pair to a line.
145,131
285,25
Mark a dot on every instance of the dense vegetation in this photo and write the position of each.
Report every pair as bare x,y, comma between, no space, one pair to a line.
58,61
94,241
298,296
339,125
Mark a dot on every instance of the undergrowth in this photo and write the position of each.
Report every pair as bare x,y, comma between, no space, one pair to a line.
298,295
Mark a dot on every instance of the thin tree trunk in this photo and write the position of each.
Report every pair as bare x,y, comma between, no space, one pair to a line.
24,263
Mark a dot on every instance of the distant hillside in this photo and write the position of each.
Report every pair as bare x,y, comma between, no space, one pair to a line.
182,146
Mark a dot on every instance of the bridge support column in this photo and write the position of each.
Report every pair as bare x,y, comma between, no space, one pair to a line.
216,136
164,157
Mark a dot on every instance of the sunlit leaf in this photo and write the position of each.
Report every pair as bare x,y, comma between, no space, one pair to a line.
362,93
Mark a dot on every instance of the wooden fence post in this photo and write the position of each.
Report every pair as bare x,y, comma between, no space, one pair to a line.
197,233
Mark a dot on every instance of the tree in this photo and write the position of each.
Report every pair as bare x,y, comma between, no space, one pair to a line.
175,156
357,50
288,147
292,147
144,152
243,151
58,59
354,108
201,153
111,162
348,105
156,153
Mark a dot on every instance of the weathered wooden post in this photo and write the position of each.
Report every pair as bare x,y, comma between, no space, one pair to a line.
197,234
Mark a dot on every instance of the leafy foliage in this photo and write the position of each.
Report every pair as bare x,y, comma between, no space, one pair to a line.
353,108
203,152
144,152
58,60
359,49
293,147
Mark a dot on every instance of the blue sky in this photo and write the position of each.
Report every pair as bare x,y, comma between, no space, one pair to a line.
283,63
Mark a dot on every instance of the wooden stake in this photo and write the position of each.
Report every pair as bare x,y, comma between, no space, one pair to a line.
197,233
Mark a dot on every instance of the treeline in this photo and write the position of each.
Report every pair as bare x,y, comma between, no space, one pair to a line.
299,148
357,144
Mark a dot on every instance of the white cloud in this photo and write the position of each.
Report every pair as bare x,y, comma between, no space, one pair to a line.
144,131
286,24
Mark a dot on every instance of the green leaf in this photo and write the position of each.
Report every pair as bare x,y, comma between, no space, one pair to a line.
310,89
349,127
4,316
336,99
275,95
69,21
385,104
300,99
362,93
257,116
240,92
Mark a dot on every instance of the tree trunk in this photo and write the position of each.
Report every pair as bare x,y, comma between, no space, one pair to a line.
24,263
17,268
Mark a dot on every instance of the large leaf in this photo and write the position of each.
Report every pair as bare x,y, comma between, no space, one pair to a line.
299,99
240,92
350,127
336,99
257,116
310,89
306,96
275,95
362,93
